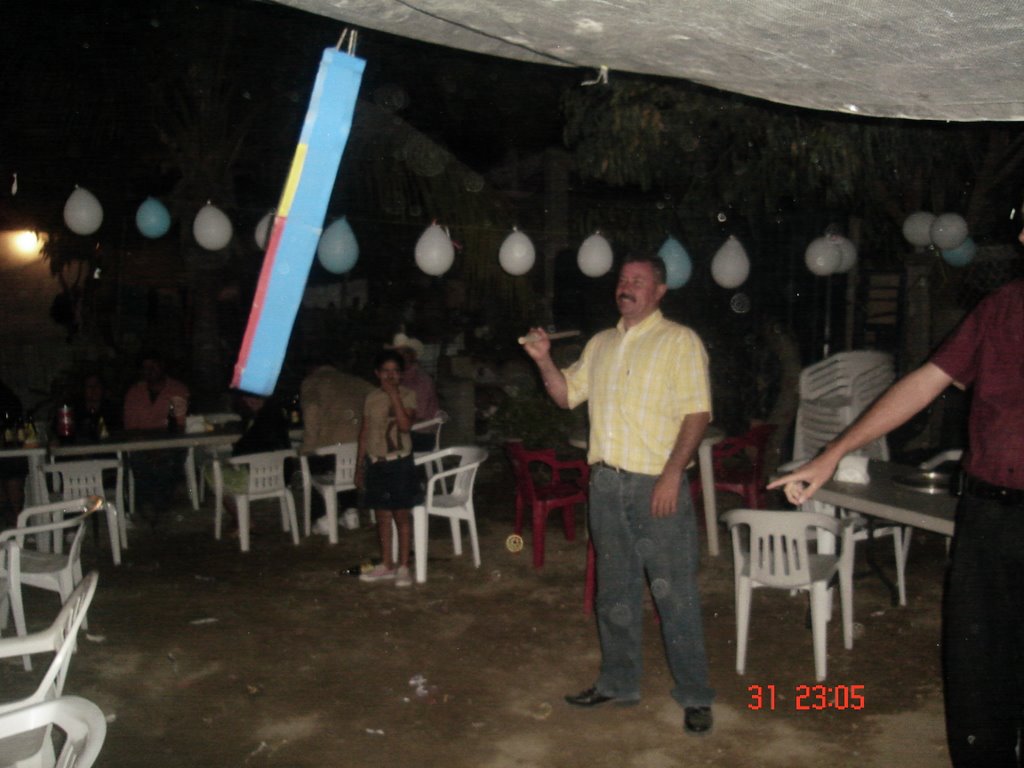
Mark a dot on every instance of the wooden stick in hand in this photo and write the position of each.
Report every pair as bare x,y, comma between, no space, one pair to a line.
552,336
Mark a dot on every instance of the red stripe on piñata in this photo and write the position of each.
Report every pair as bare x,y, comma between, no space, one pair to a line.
266,273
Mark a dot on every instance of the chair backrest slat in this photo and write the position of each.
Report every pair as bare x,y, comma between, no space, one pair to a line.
345,462
778,554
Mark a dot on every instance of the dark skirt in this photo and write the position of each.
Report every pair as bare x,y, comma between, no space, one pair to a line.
392,484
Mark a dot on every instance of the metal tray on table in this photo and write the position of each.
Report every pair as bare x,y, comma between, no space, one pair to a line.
926,482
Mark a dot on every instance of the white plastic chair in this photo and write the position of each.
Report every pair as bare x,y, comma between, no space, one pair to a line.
78,479
780,555
953,454
82,723
46,566
330,484
197,458
431,426
36,748
266,481
10,589
456,504
842,376
833,393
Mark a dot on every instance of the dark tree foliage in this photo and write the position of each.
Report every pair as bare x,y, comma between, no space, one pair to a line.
705,151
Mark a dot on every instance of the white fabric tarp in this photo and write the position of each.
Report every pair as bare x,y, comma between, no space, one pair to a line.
957,60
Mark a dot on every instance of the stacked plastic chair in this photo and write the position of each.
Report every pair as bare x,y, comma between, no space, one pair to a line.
833,393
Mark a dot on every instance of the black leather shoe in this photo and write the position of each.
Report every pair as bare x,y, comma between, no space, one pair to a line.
591,698
588,698
697,721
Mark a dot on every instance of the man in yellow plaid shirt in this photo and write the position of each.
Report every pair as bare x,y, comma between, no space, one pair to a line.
646,385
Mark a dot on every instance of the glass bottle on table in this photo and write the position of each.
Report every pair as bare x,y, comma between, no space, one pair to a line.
65,424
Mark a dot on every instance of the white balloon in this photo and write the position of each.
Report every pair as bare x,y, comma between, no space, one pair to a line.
82,212
212,228
730,265
948,231
594,257
434,251
516,254
263,229
823,256
848,253
916,228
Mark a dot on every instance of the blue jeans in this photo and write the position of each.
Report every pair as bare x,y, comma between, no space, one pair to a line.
630,542
983,635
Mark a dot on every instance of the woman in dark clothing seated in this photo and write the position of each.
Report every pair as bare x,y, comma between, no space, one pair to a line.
266,429
96,412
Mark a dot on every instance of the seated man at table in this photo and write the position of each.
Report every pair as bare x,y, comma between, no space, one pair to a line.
147,406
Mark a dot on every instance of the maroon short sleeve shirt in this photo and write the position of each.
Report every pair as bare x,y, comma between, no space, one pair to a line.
986,353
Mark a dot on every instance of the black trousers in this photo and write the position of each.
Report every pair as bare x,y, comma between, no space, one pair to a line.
983,635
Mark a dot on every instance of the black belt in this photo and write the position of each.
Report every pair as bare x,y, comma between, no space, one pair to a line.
982,490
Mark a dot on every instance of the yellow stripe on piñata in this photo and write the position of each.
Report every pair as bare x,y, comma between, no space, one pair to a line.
293,181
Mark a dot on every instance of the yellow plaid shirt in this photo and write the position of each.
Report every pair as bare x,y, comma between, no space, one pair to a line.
640,384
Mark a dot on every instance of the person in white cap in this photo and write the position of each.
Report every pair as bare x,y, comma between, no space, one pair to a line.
419,381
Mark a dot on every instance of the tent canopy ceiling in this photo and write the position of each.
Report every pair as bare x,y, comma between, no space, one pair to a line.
919,59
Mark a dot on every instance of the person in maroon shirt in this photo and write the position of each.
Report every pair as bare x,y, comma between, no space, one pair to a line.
983,610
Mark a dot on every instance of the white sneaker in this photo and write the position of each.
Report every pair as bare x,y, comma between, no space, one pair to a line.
322,527
402,577
378,573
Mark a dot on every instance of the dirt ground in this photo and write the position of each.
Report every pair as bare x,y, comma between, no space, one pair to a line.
203,656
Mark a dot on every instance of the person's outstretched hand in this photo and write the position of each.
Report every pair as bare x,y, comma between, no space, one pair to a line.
803,483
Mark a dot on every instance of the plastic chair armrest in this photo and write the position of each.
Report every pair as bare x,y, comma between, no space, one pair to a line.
44,641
